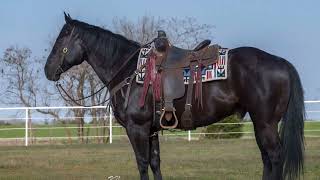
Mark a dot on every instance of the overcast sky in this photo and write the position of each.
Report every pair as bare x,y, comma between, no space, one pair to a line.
289,29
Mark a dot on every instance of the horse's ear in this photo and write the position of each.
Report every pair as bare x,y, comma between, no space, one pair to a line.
67,18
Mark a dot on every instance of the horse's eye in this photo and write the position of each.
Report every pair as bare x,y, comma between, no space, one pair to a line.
65,50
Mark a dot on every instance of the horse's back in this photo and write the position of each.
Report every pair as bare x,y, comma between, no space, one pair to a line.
247,62
259,77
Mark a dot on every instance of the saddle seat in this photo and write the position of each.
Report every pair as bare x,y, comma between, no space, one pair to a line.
171,61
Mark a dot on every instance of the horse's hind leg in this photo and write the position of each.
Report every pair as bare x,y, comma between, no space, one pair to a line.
269,143
268,140
155,156
265,159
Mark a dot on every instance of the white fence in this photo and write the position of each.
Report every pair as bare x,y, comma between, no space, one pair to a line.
111,126
26,128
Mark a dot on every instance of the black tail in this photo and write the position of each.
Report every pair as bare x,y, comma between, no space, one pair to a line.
291,130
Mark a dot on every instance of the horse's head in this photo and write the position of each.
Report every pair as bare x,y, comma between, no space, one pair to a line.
67,51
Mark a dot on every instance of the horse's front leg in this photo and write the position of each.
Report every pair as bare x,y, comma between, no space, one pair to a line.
139,137
155,156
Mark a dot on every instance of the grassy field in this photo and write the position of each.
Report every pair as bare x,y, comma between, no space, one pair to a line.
233,159
45,131
311,129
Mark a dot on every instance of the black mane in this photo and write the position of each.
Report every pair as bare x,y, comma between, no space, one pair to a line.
96,30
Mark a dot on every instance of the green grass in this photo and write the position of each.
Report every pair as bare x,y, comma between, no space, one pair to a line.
60,132
64,132
232,159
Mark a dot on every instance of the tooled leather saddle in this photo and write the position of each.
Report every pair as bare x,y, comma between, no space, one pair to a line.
170,62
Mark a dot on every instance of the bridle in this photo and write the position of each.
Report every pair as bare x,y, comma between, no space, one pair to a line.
126,81
65,50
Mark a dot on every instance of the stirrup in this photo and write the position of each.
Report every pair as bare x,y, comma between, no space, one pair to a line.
175,119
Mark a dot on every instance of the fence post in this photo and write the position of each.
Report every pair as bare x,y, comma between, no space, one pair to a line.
26,128
110,126
189,135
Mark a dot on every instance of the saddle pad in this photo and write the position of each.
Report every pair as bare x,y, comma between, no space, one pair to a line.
212,72
215,71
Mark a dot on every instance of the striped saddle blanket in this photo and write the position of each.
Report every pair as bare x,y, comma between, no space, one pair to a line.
212,72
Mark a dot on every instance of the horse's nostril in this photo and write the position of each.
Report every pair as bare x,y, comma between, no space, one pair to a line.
49,72
46,70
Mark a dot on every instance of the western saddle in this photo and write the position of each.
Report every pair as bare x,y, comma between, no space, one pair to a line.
170,63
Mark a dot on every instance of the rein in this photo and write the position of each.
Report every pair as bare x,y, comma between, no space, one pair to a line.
75,101
127,61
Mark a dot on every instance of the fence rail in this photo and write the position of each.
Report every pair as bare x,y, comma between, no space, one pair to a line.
109,116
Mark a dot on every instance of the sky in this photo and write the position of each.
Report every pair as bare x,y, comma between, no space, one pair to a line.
287,28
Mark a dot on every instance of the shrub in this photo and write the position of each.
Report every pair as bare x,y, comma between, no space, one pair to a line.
224,130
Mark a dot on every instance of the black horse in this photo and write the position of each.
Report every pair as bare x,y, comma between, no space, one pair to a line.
266,86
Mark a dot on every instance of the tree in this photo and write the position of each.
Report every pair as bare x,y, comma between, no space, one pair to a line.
186,32
23,83
80,82
26,86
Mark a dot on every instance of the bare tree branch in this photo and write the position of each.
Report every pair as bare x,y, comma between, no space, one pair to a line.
21,72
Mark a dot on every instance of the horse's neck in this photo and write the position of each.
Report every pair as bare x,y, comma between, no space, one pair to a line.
106,65
100,67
